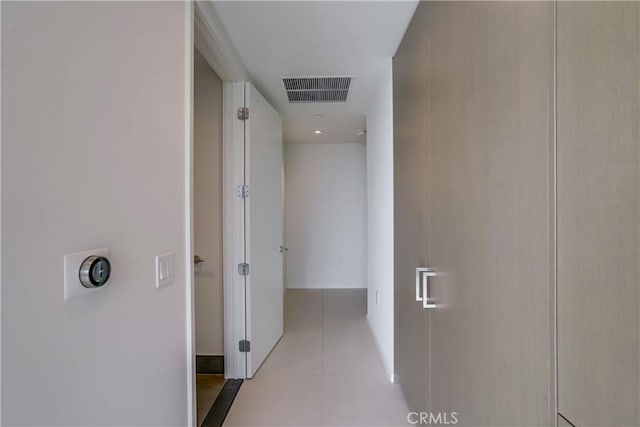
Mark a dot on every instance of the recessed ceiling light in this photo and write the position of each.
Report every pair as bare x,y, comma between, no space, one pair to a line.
318,132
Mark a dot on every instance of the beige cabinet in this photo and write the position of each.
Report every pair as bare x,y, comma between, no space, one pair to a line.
473,131
491,154
517,158
598,73
411,215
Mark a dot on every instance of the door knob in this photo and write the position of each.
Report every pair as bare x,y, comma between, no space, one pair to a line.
283,249
197,259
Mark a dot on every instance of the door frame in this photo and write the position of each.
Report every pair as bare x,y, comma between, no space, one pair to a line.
233,229
211,40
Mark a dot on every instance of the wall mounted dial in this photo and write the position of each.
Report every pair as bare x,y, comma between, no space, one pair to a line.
86,272
94,271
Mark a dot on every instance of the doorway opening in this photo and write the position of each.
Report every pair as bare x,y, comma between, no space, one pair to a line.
318,240
207,235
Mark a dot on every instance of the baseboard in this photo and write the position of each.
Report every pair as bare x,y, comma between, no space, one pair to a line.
390,374
206,364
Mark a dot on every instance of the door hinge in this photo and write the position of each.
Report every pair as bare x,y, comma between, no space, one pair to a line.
244,346
243,269
243,113
242,191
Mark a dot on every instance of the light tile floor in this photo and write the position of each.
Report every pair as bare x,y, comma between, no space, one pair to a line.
325,371
207,389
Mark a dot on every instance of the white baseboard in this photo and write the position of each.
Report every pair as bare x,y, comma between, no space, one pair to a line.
390,374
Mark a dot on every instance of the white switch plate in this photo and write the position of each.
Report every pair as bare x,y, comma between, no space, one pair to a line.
164,269
72,286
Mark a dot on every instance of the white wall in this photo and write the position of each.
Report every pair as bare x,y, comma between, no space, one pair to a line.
380,218
95,122
325,203
207,207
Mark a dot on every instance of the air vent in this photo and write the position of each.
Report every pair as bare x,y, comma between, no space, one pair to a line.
316,89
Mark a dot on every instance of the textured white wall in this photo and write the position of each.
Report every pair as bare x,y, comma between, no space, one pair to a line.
94,133
325,201
380,218
207,207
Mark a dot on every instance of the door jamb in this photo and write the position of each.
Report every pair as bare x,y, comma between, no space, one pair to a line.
233,230
215,45
188,217
207,34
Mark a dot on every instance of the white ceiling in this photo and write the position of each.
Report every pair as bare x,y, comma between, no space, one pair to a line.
276,39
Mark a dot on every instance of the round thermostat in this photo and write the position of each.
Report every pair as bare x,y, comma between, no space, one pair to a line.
94,271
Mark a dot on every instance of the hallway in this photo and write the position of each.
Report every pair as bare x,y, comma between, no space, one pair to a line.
324,371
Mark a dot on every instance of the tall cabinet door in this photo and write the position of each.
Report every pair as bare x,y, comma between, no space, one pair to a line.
411,213
598,213
491,86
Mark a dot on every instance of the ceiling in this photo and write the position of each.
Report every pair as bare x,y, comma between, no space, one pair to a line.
276,39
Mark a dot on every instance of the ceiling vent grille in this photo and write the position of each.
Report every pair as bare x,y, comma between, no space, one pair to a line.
316,89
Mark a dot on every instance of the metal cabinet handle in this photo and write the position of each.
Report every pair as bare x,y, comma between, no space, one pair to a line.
283,249
422,286
197,259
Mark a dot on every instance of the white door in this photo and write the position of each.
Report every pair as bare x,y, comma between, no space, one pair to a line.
264,215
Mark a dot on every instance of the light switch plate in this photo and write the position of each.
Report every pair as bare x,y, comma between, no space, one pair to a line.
72,286
165,267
